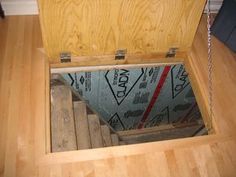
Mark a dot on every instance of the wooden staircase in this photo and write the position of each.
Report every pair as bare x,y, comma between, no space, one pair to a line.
72,128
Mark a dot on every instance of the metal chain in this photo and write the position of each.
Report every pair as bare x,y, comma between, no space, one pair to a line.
210,65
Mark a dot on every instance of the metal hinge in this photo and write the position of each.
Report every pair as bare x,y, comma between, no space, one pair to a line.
65,57
171,52
120,54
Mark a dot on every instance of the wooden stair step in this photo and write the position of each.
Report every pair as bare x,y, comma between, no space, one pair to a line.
95,131
62,120
159,133
106,136
114,139
81,125
57,79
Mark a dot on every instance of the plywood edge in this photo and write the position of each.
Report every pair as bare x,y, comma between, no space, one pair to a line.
105,60
108,67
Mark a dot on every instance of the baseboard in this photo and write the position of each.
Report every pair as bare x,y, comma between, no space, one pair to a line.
20,7
30,7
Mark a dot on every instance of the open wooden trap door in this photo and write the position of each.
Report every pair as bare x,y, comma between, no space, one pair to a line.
95,31
86,35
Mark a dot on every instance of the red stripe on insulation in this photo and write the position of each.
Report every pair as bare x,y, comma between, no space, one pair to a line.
155,96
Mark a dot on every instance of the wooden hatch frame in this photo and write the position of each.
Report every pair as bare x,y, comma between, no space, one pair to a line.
108,61
46,157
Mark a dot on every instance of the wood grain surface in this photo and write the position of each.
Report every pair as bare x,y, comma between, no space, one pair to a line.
81,124
23,125
95,131
100,27
106,136
63,134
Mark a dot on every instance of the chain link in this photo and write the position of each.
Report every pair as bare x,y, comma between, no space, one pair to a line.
210,65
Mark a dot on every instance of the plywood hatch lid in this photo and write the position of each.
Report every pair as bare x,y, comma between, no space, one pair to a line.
101,27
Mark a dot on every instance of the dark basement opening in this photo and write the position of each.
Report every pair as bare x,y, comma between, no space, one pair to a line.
95,109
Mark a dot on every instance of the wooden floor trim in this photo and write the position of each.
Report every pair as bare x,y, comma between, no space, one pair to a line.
128,150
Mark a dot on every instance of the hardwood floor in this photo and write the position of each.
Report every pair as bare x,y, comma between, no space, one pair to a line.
23,72
20,36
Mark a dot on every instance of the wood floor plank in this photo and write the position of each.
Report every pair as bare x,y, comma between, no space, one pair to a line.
4,87
13,81
206,164
62,120
81,124
114,167
186,163
225,163
95,131
172,163
137,160
159,166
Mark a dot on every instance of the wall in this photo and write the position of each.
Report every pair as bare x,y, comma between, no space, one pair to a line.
140,97
215,5
20,7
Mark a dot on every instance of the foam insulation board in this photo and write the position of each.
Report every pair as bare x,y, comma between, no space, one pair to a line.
140,97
